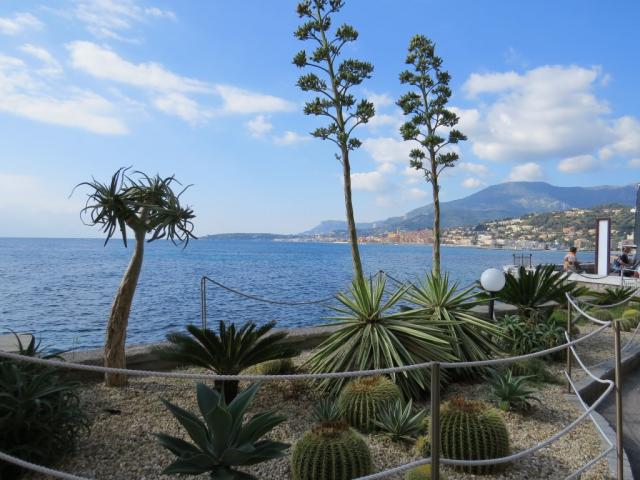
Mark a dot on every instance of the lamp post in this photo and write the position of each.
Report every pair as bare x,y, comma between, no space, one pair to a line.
492,280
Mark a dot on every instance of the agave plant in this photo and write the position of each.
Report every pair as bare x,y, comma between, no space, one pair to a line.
512,391
450,309
372,336
327,410
400,422
223,440
228,352
530,290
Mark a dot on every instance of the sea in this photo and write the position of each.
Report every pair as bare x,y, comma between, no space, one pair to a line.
61,290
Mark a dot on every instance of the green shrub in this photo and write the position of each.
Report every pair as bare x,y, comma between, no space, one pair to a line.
362,398
534,334
423,472
330,451
327,410
443,305
40,412
559,318
399,421
371,336
512,392
629,320
223,441
228,352
472,430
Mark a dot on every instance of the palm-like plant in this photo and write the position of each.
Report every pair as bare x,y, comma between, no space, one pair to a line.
148,206
371,336
228,351
613,295
450,309
530,290
223,440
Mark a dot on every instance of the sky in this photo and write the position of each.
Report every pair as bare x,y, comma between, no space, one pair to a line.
545,90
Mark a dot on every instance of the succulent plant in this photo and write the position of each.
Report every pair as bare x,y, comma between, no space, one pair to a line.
399,421
512,391
472,430
629,320
330,451
423,472
277,366
223,440
603,314
422,446
327,410
362,398
536,369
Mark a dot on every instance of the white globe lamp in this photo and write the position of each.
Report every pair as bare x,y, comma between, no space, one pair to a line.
492,280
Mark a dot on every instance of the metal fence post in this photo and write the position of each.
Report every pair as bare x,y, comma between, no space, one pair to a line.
569,348
203,302
435,421
618,390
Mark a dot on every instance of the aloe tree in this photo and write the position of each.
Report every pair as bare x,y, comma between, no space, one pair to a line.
333,84
425,105
147,205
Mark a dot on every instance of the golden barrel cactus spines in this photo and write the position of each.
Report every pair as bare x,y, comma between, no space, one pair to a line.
330,451
472,430
362,398
629,320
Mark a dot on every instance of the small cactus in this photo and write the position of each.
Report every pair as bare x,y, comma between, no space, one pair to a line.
361,399
275,367
422,447
603,314
330,451
423,472
472,430
629,320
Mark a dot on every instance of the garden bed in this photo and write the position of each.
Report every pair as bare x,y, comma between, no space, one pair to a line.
121,444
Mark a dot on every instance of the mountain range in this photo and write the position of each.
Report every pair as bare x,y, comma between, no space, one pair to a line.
505,200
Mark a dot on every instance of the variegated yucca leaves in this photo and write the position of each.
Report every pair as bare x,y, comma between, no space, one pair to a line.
372,334
222,441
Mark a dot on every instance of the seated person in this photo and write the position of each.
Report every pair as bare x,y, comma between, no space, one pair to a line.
570,262
622,263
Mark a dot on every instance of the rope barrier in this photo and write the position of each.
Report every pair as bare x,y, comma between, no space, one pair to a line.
613,305
39,468
266,300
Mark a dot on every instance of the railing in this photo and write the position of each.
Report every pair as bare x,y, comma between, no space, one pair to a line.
436,459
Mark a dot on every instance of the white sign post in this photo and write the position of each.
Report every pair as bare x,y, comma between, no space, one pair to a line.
603,245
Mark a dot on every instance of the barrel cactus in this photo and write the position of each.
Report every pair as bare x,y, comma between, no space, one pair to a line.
629,320
275,367
330,451
361,399
603,314
422,447
423,472
472,430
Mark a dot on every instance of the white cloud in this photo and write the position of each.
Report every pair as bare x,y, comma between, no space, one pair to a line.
238,100
634,163
471,182
30,194
415,194
545,112
51,66
413,176
368,181
290,138
182,106
581,163
387,167
527,172
18,23
379,100
24,95
626,131
106,64
387,149
474,168
111,18
259,126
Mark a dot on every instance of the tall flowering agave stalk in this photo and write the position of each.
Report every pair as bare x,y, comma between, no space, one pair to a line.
222,441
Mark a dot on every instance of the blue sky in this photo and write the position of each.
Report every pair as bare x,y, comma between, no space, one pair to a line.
206,90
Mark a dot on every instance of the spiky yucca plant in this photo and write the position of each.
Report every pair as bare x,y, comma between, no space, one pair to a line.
512,391
223,441
327,410
372,336
400,422
446,307
227,352
362,399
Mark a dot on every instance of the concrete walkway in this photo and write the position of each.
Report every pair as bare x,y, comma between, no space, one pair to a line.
631,418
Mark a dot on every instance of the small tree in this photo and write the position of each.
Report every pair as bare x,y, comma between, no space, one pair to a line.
426,107
146,205
334,100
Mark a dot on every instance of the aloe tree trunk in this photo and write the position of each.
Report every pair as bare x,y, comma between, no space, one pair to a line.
435,268
351,222
114,347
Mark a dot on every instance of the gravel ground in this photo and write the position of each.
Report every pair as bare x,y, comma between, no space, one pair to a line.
121,444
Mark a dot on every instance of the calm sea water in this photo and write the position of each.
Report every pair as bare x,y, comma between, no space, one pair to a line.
62,289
